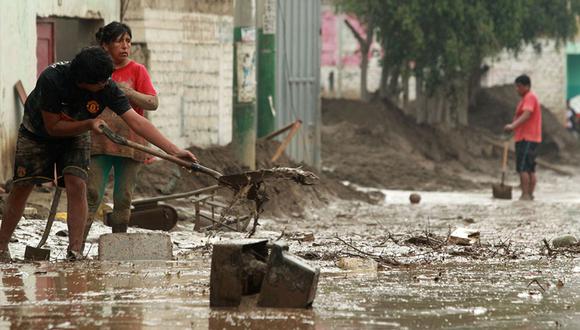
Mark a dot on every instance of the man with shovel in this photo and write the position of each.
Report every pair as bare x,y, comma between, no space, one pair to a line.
59,113
527,128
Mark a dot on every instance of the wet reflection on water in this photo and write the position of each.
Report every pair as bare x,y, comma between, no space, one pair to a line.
175,294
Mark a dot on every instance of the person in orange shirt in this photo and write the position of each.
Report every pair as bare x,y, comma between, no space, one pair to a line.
527,128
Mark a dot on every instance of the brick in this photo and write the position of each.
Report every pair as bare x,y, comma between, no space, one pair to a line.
135,246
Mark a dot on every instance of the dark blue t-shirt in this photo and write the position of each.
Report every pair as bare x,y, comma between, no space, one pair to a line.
56,92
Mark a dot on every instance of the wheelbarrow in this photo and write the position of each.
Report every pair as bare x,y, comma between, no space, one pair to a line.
245,184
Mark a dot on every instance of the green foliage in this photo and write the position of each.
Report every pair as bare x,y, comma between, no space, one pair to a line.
448,39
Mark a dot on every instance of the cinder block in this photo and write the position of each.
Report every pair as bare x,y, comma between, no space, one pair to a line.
135,246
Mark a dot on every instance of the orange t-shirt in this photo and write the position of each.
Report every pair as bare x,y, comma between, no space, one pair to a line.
531,129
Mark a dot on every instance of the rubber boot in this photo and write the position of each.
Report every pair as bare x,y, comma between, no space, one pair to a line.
119,221
119,228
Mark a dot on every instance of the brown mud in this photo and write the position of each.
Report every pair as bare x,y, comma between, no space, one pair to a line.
285,196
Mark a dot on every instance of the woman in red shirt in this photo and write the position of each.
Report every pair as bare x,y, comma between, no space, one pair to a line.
134,80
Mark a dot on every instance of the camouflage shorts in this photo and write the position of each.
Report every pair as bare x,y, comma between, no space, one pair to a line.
36,157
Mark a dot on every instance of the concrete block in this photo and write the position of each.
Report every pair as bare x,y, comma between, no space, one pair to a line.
135,246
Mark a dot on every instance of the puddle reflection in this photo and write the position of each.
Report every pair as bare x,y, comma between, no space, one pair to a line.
95,295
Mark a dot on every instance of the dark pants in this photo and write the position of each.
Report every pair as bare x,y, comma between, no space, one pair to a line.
526,156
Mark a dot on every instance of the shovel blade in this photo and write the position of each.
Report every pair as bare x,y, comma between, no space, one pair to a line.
502,191
36,254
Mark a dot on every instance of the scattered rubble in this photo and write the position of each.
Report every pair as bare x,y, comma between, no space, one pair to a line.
564,241
464,236
242,267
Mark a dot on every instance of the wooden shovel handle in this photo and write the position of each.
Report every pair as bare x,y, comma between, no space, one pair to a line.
506,146
189,165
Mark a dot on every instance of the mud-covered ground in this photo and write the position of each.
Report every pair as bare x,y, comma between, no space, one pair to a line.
387,265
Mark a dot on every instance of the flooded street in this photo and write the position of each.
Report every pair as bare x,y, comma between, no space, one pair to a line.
376,272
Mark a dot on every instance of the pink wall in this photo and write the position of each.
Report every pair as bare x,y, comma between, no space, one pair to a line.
330,36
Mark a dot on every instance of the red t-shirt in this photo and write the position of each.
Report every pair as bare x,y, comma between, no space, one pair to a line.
531,129
137,77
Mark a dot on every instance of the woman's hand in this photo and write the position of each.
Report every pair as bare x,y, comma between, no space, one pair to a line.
187,155
125,88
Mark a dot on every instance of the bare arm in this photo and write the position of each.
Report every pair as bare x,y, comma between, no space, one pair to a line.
143,101
56,126
146,129
520,120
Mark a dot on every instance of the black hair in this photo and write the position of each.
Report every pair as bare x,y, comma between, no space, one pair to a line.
92,65
524,80
111,32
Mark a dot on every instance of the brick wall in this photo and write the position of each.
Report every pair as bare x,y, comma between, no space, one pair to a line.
190,62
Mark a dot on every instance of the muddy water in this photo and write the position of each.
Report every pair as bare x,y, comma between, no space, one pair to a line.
175,295
518,286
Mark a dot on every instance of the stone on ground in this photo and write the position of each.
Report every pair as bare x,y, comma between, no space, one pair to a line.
135,246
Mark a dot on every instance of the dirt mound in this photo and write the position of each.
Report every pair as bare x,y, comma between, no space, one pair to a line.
495,107
377,145
286,197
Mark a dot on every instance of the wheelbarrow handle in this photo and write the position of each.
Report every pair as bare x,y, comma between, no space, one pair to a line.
182,162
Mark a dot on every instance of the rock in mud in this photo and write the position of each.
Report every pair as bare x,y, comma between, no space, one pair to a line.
62,233
464,236
357,264
564,241
30,212
135,246
415,198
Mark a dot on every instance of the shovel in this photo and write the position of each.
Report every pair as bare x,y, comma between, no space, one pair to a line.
189,165
503,191
234,181
37,253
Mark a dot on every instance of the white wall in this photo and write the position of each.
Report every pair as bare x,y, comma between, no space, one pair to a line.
190,63
18,56
547,70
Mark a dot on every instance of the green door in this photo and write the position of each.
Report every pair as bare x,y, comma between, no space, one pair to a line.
573,75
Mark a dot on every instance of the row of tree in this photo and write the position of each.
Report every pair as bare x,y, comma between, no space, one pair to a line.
443,44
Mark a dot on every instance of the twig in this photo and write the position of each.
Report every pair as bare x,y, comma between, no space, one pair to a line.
550,251
538,283
375,257
281,234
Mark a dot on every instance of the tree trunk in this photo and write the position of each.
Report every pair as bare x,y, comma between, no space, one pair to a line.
446,107
365,46
364,67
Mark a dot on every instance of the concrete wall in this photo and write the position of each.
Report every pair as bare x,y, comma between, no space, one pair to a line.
18,56
190,62
547,71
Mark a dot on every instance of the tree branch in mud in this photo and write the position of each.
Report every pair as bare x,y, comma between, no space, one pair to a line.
571,252
379,259
538,283
548,247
